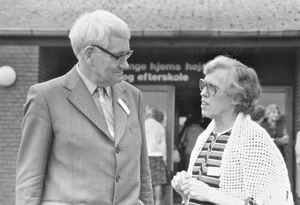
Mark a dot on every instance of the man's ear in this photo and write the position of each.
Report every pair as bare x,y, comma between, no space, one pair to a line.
88,54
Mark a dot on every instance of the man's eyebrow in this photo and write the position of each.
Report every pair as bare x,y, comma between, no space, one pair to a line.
122,52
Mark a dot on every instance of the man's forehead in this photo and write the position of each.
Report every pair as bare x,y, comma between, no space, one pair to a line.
118,44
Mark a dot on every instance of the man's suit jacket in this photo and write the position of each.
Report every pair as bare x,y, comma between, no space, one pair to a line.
67,155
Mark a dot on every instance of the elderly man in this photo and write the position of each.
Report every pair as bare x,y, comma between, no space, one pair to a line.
83,138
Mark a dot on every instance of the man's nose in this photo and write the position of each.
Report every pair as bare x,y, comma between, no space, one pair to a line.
124,65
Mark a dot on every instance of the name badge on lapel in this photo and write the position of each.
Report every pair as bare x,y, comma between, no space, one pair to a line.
214,171
124,106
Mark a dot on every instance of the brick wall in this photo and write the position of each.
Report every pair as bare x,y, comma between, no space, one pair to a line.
297,126
297,94
24,59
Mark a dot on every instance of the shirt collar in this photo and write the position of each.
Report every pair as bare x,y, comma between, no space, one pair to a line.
91,86
225,132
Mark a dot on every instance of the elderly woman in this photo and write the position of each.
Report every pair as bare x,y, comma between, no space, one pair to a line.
274,123
234,161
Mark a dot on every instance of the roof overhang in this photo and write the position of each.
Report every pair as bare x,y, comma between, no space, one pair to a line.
188,41
158,33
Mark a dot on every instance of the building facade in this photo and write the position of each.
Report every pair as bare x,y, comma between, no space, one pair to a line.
172,41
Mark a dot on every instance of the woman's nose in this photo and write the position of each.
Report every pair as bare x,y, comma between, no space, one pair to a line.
204,92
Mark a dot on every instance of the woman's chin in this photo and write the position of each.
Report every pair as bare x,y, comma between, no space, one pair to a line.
205,113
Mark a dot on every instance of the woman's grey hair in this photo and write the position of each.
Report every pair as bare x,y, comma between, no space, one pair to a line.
241,82
270,108
96,28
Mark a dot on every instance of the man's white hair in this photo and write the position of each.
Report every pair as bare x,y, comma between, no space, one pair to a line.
96,28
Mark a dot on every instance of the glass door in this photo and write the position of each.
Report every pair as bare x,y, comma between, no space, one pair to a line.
283,97
163,97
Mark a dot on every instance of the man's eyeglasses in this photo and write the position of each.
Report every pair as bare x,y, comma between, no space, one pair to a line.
210,88
121,57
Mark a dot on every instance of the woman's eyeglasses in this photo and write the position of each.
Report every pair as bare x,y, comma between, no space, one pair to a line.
122,57
210,88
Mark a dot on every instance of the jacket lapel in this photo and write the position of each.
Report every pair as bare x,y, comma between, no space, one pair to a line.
80,97
120,113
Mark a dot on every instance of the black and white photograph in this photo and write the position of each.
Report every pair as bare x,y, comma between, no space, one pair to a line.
138,102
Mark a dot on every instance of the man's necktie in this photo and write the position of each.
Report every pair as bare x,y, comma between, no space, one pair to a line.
107,108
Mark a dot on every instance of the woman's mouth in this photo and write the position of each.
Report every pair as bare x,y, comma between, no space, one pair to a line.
204,104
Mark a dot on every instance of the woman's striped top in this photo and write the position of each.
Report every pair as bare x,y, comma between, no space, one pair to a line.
208,163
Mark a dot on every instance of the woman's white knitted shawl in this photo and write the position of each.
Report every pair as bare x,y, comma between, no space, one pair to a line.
251,166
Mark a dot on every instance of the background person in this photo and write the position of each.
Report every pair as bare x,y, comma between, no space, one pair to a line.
274,123
258,114
157,148
234,160
192,130
297,154
83,138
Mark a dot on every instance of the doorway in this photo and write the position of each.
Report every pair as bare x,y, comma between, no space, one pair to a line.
282,96
163,97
